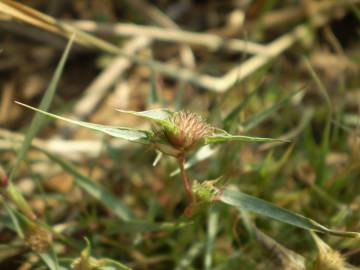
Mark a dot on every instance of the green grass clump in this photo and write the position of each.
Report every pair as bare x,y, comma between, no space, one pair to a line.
269,163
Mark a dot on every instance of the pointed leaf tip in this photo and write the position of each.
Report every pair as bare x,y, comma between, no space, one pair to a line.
267,209
215,138
155,115
129,134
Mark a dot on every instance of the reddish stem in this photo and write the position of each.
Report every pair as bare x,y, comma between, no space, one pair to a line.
184,179
4,181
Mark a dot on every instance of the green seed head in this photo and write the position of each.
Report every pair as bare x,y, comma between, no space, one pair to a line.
327,259
38,238
185,131
206,191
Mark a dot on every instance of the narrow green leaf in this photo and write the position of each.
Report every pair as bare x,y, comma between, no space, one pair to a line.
256,119
155,115
133,135
33,129
50,261
116,264
239,257
96,191
325,143
44,105
190,256
232,115
159,116
18,199
246,221
153,95
87,249
348,122
228,138
356,11
15,221
264,208
212,228
179,95
141,226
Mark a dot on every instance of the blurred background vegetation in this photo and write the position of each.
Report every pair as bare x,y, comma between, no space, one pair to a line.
280,69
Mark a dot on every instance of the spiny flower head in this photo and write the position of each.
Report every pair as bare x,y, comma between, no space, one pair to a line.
190,129
327,259
184,132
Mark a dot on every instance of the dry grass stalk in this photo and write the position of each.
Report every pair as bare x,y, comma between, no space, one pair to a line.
215,84
99,88
163,20
211,41
72,149
290,15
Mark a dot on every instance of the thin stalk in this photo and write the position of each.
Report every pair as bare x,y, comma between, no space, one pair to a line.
184,178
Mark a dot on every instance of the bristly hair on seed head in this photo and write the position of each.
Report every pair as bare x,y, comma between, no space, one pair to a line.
188,130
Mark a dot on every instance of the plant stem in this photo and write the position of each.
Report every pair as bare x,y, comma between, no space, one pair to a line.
185,181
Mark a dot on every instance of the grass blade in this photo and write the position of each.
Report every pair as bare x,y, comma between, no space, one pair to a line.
141,226
232,115
325,144
264,208
44,105
35,125
157,115
153,94
96,191
129,134
212,228
256,119
15,221
116,264
51,262
228,138
235,259
190,256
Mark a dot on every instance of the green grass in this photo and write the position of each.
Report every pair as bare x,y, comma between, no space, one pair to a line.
286,163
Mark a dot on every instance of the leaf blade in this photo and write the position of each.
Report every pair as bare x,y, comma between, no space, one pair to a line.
44,104
50,261
228,137
35,126
159,116
155,115
143,226
264,208
96,191
212,229
129,134
258,118
235,111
